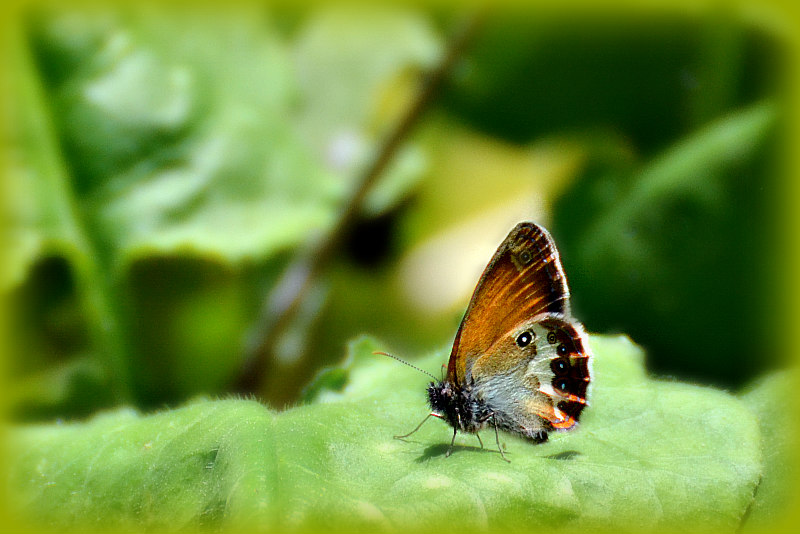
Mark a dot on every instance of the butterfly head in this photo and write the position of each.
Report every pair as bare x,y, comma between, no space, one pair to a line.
440,395
457,405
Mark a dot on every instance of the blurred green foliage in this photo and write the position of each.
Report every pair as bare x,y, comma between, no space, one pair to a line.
167,163
166,168
650,79
688,238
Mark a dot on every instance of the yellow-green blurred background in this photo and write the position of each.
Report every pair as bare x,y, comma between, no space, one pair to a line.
166,163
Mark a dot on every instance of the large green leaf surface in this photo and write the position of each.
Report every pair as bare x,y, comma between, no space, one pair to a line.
649,454
767,398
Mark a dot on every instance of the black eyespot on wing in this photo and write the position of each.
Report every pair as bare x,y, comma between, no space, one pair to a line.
560,366
525,339
525,257
571,408
561,350
561,384
568,338
571,386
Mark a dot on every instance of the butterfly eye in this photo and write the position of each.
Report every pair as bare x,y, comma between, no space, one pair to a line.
525,339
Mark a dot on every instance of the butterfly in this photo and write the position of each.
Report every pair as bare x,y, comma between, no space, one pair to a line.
519,362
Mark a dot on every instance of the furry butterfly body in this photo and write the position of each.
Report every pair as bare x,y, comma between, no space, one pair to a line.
519,362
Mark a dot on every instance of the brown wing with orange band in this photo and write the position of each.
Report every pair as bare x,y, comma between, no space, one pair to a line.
523,279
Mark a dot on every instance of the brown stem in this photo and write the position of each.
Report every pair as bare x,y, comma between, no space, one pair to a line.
292,288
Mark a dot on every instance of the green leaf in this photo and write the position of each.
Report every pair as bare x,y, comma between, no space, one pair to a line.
165,162
648,454
177,127
42,224
767,398
163,471
368,59
139,133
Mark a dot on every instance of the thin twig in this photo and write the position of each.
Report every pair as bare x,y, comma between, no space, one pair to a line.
292,288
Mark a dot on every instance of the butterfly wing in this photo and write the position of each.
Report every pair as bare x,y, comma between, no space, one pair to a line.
538,385
523,279
534,384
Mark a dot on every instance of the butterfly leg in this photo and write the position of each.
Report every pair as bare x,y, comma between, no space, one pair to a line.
419,425
540,436
497,439
479,439
455,431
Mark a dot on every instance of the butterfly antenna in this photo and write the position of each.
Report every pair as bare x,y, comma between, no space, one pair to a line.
405,362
